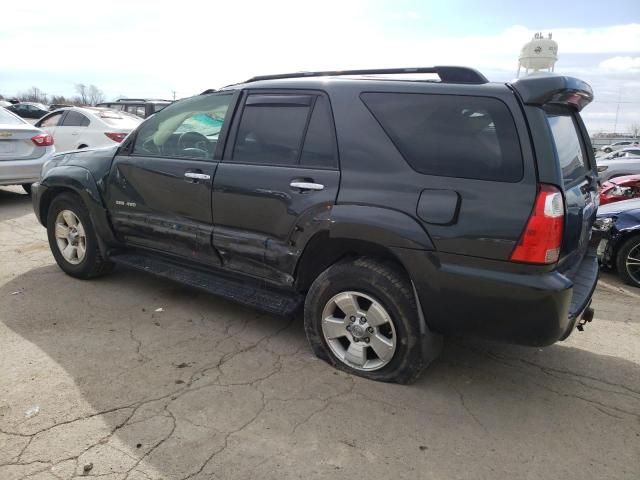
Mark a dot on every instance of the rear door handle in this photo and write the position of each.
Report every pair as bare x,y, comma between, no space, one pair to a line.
197,176
306,185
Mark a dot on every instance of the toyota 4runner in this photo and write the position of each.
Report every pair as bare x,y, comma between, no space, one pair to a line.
393,208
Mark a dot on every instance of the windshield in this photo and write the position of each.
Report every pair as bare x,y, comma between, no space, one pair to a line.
7,119
568,146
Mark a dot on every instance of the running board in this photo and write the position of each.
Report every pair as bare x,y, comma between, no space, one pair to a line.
246,292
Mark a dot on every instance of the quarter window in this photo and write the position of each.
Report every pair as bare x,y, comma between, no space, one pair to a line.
185,129
319,144
451,136
568,147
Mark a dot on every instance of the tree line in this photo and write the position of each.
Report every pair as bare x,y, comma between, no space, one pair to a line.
85,95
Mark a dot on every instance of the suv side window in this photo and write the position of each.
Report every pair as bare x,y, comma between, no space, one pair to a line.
320,149
75,119
451,135
187,129
271,129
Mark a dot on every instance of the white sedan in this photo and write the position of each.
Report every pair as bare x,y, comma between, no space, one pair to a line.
23,150
87,127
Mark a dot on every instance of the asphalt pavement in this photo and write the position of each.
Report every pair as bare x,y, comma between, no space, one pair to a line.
134,377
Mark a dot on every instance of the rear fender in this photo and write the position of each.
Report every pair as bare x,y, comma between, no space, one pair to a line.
383,226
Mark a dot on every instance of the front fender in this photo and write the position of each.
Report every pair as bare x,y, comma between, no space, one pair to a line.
383,226
80,181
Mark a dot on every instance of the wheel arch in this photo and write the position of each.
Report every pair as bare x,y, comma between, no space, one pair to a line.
77,180
359,231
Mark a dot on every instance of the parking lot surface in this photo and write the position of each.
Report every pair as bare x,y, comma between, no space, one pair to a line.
134,377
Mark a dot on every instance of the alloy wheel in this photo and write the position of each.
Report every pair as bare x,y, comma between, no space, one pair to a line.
70,237
359,331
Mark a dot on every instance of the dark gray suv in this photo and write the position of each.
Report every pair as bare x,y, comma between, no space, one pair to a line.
393,210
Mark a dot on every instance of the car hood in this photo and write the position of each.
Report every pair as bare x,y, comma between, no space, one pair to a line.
626,161
624,179
628,206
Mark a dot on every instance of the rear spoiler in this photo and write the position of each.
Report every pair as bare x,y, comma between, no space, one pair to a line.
553,90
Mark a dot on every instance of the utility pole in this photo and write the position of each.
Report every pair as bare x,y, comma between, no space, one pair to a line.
615,125
174,95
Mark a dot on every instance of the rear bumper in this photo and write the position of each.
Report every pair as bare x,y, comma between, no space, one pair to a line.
17,172
467,296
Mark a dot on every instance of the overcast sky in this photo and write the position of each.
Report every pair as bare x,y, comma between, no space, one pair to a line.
151,48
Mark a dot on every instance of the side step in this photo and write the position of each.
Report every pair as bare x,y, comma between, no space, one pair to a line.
249,293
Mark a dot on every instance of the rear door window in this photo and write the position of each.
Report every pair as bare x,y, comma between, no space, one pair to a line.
320,149
568,147
271,129
75,119
451,135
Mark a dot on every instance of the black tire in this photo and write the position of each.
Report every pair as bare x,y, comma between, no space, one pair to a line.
390,287
93,264
621,260
607,150
27,188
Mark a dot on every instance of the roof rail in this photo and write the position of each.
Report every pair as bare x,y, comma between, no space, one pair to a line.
208,91
447,74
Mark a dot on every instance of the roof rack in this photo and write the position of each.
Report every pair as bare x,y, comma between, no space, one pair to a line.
448,74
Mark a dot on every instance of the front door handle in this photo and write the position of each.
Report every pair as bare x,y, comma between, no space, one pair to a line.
306,185
197,176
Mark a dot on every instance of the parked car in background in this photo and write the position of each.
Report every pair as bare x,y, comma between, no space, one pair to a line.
618,227
23,150
389,238
618,145
57,106
623,152
140,107
83,127
29,109
619,167
620,188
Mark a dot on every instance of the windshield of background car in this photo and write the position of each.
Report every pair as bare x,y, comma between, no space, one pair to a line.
568,146
7,119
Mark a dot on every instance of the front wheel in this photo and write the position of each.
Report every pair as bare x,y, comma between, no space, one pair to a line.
72,238
362,317
628,261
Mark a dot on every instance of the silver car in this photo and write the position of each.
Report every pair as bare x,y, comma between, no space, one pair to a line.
618,167
23,150
619,145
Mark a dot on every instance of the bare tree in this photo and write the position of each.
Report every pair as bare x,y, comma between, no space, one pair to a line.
634,129
95,95
34,94
83,93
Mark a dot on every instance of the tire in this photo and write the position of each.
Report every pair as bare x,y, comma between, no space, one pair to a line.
27,188
607,150
630,248
88,265
382,284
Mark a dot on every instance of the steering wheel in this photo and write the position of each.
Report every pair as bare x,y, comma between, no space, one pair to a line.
193,141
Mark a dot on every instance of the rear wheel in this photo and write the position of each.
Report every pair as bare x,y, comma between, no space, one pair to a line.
362,317
628,261
72,238
27,188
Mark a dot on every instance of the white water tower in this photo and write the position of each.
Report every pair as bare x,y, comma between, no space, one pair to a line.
539,54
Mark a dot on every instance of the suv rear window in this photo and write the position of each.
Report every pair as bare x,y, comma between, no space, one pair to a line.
451,136
568,146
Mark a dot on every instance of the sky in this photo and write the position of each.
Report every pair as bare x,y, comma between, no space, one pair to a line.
140,48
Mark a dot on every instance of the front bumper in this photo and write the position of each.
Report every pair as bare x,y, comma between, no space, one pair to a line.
37,192
497,301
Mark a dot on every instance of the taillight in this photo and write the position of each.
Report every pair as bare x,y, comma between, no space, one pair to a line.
116,137
542,238
42,140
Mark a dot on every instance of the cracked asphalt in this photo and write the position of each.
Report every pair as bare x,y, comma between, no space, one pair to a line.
94,382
